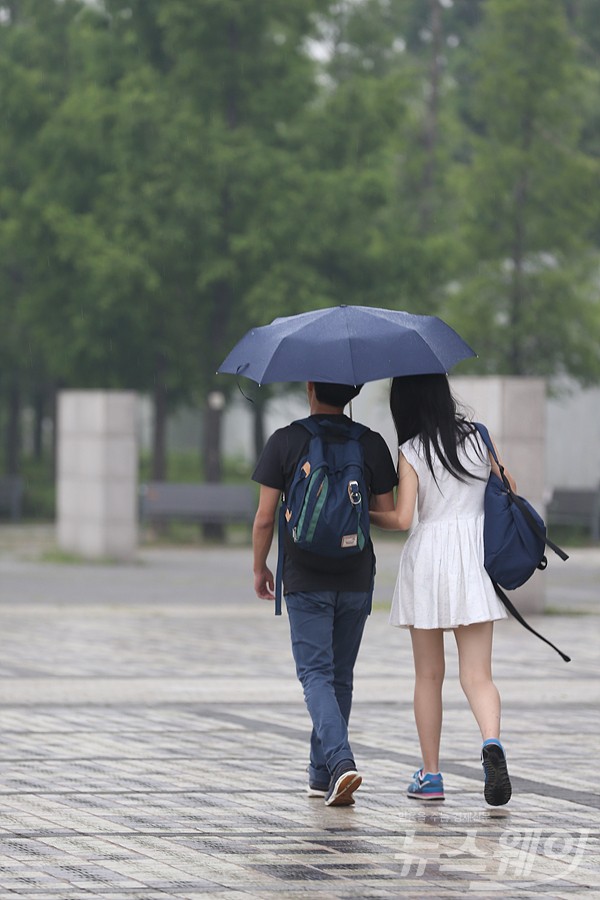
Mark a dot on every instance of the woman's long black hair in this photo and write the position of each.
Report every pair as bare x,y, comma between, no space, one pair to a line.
423,406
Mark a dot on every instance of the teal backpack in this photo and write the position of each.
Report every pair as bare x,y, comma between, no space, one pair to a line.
326,510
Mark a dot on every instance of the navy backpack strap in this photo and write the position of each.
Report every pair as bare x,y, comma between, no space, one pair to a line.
354,430
485,436
310,424
357,430
313,428
517,615
279,572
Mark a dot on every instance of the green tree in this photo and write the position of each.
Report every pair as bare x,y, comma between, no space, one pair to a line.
402,55
34,80
526,300
173,173
246,73
163,183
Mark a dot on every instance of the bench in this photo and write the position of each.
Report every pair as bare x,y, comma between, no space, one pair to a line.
570,506
11,496
220,504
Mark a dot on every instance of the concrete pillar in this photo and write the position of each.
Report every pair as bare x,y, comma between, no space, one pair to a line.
97,474
514,410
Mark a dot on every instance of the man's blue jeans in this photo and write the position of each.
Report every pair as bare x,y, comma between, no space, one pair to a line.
326,629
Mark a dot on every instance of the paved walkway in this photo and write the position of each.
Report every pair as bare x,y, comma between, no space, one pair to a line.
153,743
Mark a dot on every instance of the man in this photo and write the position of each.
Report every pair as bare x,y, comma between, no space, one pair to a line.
327,600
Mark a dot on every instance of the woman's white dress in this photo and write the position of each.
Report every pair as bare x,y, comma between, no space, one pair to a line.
441,579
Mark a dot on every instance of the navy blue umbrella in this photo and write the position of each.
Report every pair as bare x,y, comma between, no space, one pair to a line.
347,345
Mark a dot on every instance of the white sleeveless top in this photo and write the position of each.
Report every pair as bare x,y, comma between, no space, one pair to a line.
441,579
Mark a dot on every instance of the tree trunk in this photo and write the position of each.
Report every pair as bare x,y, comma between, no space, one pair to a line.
39,411
13,10
159,432
13,429
223,302
213,472
519,250
430,127
517,291
573,10
53,413
213,417
233,44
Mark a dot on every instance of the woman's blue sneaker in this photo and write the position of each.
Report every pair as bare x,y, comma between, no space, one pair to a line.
498,789
426,786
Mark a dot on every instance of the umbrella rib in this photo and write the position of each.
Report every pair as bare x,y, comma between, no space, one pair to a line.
350,346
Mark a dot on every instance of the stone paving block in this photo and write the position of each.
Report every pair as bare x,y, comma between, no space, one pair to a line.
150,748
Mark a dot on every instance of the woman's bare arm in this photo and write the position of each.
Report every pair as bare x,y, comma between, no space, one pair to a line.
400,519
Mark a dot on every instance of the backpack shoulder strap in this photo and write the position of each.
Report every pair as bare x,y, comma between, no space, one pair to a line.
485,436
313,429
355,430
517,615
280,551
309,424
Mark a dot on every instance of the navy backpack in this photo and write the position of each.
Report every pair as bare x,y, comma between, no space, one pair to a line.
514,538
326,510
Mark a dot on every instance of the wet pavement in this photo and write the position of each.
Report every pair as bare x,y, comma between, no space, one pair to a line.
154,740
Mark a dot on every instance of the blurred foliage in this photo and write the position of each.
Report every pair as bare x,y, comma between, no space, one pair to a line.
186,466
39,494
173,173
528,220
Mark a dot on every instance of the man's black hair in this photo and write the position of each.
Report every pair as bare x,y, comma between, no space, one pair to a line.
336,394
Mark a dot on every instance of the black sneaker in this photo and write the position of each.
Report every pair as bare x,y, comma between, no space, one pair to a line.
498,789
344,781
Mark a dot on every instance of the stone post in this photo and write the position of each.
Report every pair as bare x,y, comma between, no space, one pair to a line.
514,410
97,474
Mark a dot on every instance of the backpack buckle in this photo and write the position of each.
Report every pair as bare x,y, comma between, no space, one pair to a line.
354,493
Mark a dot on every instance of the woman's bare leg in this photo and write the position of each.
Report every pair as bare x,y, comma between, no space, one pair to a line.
428,654
474,644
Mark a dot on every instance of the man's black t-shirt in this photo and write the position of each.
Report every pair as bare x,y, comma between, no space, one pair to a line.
304,571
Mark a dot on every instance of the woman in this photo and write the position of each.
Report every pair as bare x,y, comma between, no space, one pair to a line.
442,584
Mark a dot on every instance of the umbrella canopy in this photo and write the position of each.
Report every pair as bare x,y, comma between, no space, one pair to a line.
346,345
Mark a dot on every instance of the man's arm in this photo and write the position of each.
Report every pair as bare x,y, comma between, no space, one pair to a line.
262,538
382,502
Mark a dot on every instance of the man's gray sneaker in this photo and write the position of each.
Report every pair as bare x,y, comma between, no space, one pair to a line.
344,781
316,790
